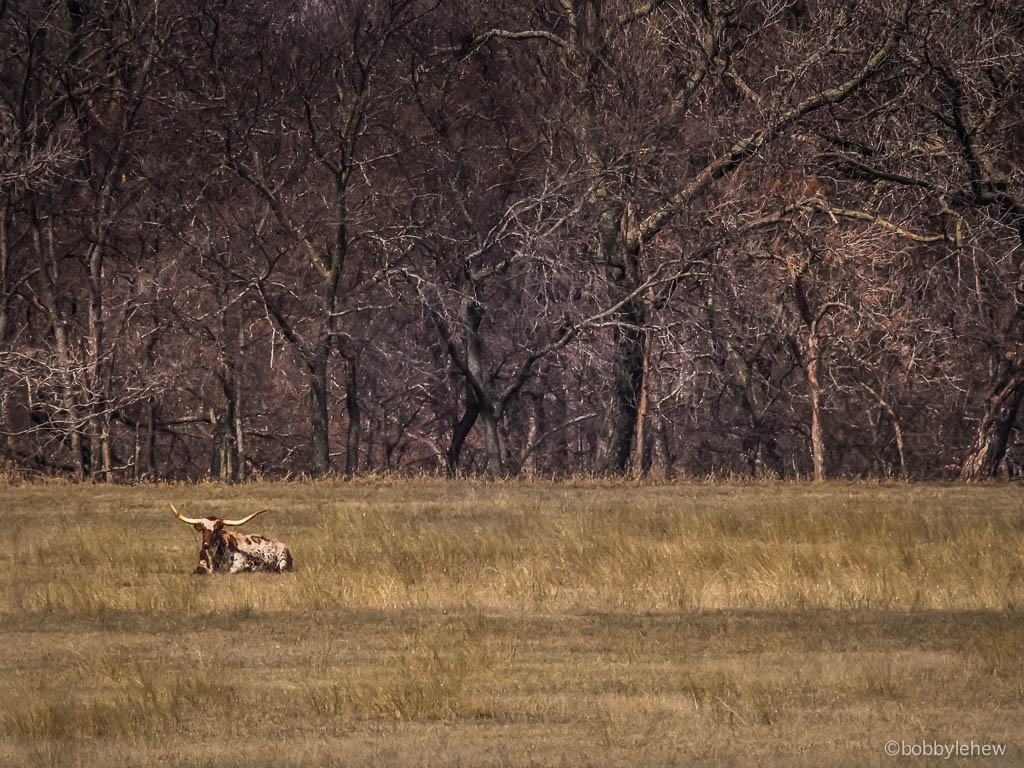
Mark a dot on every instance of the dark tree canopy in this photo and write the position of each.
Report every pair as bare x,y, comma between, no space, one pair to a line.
734,237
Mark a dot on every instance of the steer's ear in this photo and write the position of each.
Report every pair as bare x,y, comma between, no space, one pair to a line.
198,527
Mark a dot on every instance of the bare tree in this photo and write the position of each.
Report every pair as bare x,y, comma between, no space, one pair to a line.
307,112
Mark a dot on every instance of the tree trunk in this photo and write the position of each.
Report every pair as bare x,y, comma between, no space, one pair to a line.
812,318
5,279
535,417
105,455
639,455
662,459
227,448
137,453
319,439
94,350
216,445
492,442
621,247
554,411
461,430
354,418
150,449
238,466
47,261
897,429
814,385
229,425
472,316
996,427
621,412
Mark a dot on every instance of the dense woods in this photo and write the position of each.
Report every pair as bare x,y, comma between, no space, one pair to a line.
728,237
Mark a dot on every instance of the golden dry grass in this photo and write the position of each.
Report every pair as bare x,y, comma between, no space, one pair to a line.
530,623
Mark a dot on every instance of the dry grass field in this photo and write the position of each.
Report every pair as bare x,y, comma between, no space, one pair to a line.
515,624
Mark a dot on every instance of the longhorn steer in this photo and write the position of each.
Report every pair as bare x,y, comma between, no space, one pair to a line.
236,552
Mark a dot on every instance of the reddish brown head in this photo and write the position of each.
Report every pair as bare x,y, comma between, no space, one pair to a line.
211,529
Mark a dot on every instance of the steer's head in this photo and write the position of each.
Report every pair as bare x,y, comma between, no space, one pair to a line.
213,550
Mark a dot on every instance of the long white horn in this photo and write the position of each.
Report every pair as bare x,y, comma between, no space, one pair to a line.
245,519
189,520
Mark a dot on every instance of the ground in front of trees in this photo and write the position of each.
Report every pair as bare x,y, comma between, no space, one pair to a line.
527,623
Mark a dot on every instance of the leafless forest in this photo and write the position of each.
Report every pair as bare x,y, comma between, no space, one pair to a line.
730,237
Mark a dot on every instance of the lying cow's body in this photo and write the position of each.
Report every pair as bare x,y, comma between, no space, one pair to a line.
236,552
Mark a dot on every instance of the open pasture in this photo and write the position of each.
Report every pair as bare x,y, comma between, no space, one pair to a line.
528,623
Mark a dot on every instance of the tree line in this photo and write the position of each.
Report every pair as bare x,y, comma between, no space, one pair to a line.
713,237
